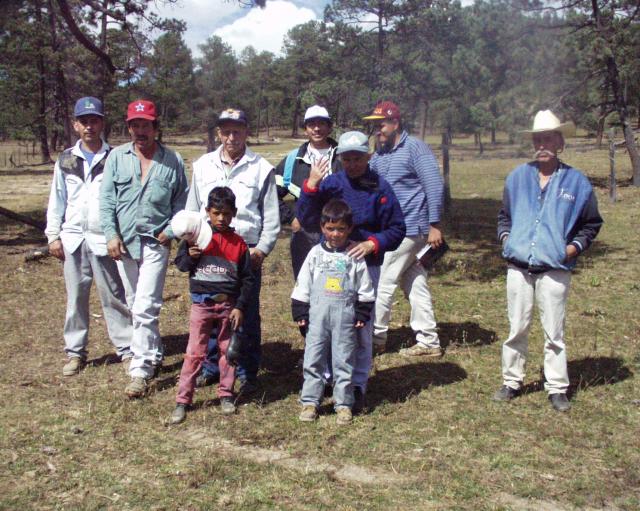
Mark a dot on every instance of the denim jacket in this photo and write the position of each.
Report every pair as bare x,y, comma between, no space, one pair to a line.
538,224
130,208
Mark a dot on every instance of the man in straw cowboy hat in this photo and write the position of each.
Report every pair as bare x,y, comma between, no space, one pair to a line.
549,216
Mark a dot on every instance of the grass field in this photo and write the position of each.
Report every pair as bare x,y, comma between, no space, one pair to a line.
432,438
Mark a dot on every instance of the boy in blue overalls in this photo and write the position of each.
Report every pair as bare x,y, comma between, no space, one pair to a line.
334,297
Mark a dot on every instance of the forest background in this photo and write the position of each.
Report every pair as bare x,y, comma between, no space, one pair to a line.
453,69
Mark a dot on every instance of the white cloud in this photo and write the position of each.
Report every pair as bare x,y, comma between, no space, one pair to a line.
202,17
264,29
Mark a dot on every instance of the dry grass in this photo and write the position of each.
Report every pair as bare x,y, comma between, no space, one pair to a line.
432,440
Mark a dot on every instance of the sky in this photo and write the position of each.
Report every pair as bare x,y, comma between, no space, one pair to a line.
264,29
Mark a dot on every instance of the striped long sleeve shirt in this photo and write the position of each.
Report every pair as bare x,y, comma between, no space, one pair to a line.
412,171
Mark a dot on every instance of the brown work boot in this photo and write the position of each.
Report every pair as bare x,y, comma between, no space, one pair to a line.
344,416
420,350
309,413
73,366
137,387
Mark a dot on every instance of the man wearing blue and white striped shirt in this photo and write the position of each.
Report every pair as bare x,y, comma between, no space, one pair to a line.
410,167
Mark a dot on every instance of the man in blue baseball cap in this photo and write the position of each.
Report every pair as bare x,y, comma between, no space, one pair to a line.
76,238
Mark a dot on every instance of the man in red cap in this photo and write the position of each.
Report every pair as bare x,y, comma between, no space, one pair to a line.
144,185
409,166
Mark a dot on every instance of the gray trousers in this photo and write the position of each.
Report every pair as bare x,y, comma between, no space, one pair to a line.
80,269
331,328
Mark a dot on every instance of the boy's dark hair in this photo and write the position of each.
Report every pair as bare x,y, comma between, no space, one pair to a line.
221,197
336,210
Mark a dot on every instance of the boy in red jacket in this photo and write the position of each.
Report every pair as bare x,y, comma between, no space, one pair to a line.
220,281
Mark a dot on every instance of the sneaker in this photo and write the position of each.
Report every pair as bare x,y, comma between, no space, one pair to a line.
420,350
204,380
136,388
343,416
73,366
227,406
309,413
505,393
179,414
560,402
358,401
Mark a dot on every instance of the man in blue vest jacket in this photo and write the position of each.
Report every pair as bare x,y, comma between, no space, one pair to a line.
549,216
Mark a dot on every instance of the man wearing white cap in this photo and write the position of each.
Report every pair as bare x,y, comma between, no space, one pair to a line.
294,169
549,216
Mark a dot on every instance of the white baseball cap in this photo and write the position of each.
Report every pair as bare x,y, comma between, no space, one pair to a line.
316,112
191,227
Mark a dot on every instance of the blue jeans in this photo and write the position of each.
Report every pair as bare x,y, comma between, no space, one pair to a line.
251,339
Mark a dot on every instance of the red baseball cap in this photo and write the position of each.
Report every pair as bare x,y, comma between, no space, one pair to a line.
384,110
141,109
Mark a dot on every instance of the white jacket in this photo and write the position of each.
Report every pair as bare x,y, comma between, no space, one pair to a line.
73,214
253,183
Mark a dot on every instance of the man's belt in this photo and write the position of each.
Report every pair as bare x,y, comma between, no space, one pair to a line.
219,298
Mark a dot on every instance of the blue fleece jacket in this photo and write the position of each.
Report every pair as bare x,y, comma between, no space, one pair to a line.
377,215
538,224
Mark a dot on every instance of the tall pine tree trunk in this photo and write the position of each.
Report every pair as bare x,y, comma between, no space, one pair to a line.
41,125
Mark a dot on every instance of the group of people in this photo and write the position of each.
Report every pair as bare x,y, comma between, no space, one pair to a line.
358,221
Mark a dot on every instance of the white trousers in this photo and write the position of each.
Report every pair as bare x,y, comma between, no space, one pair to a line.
401,267
80,269
143,280
550,291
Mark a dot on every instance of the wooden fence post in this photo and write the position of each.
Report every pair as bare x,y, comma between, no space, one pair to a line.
445,172
612,165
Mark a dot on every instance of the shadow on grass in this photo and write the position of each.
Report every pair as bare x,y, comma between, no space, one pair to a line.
175,344
396,384
587,372
468,333
279,377
104,360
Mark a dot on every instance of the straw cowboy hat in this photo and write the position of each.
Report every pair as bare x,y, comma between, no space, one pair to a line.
545,120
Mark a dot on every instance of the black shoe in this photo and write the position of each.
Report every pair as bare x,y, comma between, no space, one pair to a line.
506,394
358,401
248,387
560,402
204,380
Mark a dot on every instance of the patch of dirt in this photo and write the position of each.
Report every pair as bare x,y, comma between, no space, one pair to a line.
347,473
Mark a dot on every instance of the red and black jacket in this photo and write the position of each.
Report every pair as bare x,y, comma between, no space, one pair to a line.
223,267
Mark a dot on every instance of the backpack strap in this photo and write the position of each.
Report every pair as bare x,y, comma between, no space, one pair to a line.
288,167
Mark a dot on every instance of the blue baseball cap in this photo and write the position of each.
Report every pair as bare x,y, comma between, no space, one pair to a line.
353,141
88,106
233,115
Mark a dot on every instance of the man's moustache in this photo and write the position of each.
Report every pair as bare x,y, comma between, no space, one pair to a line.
544,152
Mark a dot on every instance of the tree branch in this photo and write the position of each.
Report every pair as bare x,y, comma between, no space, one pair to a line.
65,10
